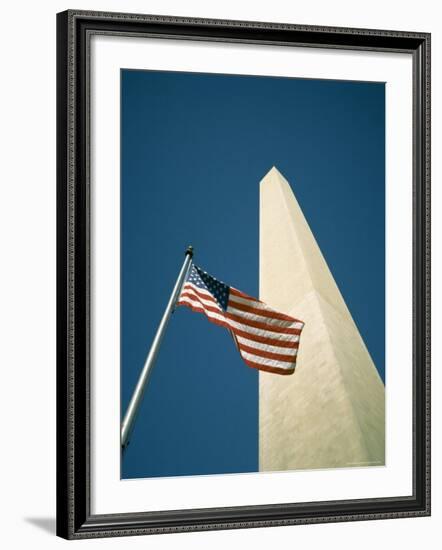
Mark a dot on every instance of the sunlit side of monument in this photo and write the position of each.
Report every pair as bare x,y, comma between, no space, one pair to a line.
331,412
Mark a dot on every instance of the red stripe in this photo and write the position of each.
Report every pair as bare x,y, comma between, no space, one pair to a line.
267,354
241,320
259,366
251,336
263,312
266,368
264,326
265,340
194,296
201,294
200,309
236,292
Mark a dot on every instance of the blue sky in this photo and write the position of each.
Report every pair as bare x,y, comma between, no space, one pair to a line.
194,148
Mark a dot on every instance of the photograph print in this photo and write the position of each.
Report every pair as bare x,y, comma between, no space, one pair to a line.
252,274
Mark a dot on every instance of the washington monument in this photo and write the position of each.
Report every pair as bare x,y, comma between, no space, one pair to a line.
331,412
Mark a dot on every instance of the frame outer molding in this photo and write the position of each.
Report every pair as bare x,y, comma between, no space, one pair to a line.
74,520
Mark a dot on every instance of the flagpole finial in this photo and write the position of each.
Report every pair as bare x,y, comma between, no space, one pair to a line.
189,251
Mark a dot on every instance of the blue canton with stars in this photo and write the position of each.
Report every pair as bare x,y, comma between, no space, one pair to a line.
218,290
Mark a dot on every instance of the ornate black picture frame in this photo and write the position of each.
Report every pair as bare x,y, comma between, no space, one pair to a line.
74,518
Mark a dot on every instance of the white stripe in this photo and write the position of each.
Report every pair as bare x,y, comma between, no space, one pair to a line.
266,347
191,286
273,321
260,305
248,301
269,362
251,303
205,302
211,314
239,326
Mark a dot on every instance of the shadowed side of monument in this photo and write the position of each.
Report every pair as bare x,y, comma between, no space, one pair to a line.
331,411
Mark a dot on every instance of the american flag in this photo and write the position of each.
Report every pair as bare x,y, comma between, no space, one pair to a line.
267,340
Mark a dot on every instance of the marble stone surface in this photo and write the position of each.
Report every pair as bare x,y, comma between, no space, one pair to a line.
331,412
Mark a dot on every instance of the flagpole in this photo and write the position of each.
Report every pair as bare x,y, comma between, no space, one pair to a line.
137,396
